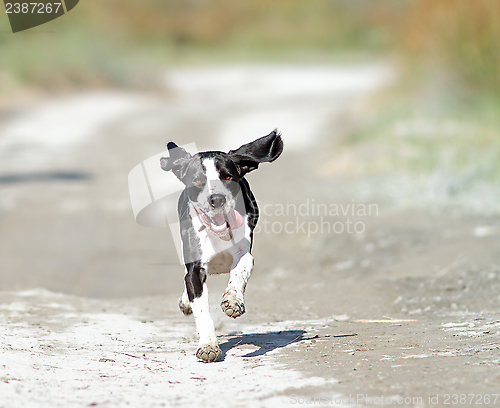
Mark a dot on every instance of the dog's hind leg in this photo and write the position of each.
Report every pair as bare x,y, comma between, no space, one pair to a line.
233,303
197,292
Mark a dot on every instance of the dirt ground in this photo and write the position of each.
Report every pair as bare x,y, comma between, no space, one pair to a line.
355,300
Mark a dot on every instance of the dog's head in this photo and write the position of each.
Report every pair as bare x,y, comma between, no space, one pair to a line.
212,178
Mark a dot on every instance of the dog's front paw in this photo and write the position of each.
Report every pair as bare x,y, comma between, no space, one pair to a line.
208,352
185,307
232,306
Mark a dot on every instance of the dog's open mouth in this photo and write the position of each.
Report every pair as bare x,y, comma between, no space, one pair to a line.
220,224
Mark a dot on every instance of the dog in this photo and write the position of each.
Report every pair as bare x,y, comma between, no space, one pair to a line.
217,215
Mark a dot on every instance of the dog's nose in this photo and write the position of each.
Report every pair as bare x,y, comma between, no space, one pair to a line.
217,201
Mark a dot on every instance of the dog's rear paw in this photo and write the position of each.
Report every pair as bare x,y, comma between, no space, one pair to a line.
232,306
185,307
208,352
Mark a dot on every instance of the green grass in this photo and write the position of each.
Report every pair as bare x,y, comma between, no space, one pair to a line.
442,132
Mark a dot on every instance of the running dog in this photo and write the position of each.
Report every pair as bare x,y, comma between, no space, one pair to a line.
217,215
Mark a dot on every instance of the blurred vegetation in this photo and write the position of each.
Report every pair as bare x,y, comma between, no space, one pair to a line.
122,42
404,133
442,119
260,24
459,36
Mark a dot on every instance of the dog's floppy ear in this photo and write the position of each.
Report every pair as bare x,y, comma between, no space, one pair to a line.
177,161
249,156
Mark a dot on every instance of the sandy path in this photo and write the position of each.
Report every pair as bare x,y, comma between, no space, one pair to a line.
61,351
406,309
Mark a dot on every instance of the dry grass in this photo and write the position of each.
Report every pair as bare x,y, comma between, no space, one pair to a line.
112,42
460,36
255,23
93,43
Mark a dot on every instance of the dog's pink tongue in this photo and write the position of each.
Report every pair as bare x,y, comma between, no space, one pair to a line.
219,222
218,219
234,219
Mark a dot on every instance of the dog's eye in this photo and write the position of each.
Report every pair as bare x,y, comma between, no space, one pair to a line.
228,177
197,181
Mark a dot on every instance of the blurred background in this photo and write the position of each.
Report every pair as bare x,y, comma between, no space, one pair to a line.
88,96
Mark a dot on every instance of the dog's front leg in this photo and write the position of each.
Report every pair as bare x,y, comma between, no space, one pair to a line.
196,288
233,303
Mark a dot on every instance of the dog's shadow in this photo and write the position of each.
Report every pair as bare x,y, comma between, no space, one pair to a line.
265,342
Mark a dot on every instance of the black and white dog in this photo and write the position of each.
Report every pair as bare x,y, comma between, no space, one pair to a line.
217,214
